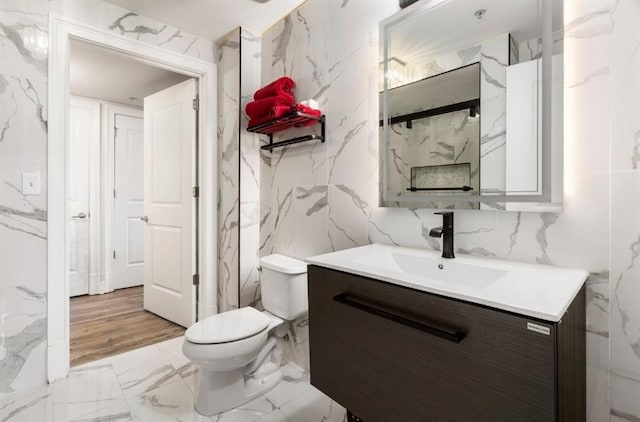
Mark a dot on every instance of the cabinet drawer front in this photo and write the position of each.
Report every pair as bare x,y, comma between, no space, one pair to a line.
390,353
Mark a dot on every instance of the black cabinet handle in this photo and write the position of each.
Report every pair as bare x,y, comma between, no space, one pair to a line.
454,335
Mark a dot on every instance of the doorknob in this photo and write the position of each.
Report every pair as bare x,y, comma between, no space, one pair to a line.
145,219
79,216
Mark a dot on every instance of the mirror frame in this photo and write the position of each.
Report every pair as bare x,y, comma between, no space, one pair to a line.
489,199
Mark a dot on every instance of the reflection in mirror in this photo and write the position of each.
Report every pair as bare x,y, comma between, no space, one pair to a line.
434,136
462,104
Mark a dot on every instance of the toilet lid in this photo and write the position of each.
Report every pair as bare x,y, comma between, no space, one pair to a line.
228,326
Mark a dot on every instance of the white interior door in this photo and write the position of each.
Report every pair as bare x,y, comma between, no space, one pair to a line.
82,131
128,236
169,247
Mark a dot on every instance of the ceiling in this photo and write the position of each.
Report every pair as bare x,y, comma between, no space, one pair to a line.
452,26
106,75
213,19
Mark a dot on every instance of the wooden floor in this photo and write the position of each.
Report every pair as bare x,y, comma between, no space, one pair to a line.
113,323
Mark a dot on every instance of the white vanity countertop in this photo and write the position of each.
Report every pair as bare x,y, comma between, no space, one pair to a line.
538,291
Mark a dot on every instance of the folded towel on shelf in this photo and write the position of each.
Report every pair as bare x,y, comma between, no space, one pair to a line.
308,110
283,85
310,103
260,108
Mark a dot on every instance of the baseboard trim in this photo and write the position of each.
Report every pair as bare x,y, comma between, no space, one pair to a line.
58,361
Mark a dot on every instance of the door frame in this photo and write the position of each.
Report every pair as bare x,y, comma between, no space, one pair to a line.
60,32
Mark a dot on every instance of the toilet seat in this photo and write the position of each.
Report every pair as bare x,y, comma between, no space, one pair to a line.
229,326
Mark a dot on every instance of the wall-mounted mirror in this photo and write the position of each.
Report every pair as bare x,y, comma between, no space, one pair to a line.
471,105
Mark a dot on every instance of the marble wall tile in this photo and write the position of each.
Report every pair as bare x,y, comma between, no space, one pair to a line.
349,213
493,102
23,149
249,253
578,237
625,223
250,61
625,274
598,408
625,105
23,219
598,321
229,103
311,209
23,341
25,38
296,347
278,223
103,15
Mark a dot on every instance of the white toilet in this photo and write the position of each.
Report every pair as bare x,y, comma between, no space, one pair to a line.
239,352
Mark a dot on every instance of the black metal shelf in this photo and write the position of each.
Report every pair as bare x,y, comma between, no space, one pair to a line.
472,105
462,188
293,120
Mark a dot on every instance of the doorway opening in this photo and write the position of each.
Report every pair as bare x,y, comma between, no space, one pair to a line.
132,226
203,262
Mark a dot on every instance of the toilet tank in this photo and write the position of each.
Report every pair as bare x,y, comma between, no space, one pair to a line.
283,284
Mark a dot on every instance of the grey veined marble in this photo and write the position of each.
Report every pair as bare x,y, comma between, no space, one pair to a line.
157,383
16,349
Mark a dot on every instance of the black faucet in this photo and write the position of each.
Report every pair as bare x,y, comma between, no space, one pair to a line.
446,233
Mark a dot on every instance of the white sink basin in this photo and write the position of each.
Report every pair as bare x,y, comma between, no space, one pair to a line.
436,269
538,291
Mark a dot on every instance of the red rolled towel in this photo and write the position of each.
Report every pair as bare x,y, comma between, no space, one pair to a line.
262,107
283,85
274,113
279,111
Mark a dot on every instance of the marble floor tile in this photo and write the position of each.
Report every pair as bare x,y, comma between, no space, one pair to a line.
276,416
172,349
95,384
237,415
295,381
156,383
624,398
191,379
313,406
27,406
169,402
107,410
143,370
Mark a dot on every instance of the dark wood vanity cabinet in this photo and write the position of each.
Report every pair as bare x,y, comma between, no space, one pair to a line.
389,353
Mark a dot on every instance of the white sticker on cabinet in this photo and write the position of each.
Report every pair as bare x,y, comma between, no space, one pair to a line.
541,329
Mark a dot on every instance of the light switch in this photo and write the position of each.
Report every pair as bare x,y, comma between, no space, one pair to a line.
31,183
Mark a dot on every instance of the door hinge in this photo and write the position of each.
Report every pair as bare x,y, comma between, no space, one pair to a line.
196,192
196,103
114,254
114,193
115,132
196,279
